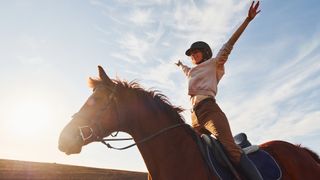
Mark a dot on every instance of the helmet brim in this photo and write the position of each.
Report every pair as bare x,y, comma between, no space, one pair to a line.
188,52
197,45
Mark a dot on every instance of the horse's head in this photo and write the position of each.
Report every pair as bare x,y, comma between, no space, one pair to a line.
95,120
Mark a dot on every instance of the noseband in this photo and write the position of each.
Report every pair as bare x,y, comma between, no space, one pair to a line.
99,136
84,138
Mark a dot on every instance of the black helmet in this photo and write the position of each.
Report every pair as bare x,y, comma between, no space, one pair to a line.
203,47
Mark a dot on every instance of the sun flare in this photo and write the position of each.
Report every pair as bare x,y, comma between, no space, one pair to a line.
29,117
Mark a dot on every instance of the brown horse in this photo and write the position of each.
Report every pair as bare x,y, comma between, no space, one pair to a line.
167,143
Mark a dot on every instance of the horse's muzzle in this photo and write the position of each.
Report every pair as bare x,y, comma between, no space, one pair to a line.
70,143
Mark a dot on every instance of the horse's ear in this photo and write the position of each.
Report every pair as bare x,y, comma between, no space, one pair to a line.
103,76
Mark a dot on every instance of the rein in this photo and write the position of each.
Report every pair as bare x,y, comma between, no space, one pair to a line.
103,141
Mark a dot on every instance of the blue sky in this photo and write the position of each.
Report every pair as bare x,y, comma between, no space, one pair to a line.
48,49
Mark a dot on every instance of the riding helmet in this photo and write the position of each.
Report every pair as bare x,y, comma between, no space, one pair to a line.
203,47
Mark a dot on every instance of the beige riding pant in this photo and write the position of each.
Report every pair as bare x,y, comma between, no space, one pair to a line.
208,118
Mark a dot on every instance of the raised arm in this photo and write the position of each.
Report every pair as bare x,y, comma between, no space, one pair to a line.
224,52
253,11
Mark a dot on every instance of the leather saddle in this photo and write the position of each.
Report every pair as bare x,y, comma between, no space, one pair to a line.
220,164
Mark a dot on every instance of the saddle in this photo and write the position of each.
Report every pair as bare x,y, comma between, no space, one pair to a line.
220,164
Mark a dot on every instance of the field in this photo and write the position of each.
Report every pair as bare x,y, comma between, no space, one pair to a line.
15,170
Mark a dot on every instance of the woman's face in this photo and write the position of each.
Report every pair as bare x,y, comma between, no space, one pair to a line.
196,56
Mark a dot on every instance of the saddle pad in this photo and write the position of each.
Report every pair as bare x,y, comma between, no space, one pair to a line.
265,163
267,166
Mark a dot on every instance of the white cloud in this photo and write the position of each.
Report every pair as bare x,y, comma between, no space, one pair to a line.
134,46
184,20
145,2
141,17
210,22
160,74
123,57
295,124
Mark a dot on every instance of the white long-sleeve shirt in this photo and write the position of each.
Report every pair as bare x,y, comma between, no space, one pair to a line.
204,77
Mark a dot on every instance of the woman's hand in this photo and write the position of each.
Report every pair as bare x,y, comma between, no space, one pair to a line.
253,11
178,63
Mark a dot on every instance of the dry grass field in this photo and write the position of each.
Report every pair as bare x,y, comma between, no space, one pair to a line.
17,170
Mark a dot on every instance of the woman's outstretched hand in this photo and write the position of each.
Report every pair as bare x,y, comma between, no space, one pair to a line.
253,11
178,63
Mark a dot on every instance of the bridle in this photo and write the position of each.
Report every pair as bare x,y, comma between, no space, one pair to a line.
96,123
99,137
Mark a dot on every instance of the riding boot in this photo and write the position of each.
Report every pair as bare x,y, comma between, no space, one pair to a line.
248,168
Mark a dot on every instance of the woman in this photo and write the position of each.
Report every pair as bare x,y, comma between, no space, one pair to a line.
203,80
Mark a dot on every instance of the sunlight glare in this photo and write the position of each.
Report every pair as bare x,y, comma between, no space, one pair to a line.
29,118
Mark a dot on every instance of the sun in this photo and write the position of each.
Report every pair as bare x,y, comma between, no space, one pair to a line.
29,118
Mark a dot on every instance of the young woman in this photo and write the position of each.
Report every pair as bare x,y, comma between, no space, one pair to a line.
207,117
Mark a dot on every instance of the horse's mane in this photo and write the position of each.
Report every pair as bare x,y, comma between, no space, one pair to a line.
314,155
154,98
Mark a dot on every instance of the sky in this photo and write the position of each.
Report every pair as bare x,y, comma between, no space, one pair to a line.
49,48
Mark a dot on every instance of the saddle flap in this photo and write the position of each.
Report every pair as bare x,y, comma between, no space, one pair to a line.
214,147
217,157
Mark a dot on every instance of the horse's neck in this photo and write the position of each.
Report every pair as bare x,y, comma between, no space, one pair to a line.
171,155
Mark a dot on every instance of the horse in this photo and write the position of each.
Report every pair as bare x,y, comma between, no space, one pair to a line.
166,143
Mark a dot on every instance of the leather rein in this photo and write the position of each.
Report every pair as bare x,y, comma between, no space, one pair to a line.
98,137
104,140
